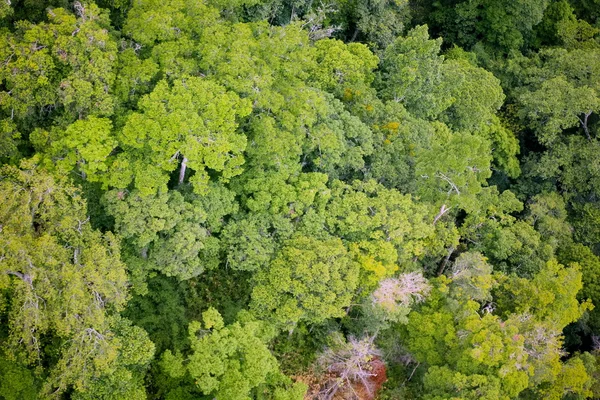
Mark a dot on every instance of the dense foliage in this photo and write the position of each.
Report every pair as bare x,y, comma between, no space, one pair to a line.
273,199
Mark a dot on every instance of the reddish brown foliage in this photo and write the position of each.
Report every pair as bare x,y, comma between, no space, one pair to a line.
375,382
317,385
380,374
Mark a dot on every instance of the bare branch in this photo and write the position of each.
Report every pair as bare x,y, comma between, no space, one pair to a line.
350,363
445,178
407,289
443,211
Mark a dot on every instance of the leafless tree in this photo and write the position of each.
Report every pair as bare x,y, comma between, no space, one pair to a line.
315,19
349,363
405,290
542,341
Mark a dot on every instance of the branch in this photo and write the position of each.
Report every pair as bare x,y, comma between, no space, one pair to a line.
24,277
81,223
584,122
443,211
413,371
443,266
444,177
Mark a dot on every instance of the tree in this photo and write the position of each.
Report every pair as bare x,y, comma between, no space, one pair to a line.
172,233
375,22
280,193
135,77
590,267
465,353
5,10
53,73
572,165
194,119
49,70
560,26
228,362
82,147
67,284
472,277
512,245
395,296
397,136
308,280
108,365
477,95
476,346
548,214
501,25
351,364
411,73
162,313
18,382
453,90
550,295
557,106
367,212
153,22
447,178
343,69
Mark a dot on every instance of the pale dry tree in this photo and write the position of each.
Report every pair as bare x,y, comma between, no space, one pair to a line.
542,341
542,344
595,343
472,276
349,363
315,20
406,290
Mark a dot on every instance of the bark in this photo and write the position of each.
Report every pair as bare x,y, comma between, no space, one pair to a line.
584,125
182,170
24,277
443,265
443,211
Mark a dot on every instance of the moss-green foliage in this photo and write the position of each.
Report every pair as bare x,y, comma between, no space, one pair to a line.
66,284
309,280
200,198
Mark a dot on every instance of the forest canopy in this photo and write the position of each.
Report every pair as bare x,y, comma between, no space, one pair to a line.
287,200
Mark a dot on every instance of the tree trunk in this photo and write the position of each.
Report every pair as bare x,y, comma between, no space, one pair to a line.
584,124
182,170
83,174
443,265
443,211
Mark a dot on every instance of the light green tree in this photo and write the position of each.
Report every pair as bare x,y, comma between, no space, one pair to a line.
412,74
171,233
308,280
193,119
454,169
229,362
67,284
475,346
82,148
556,106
